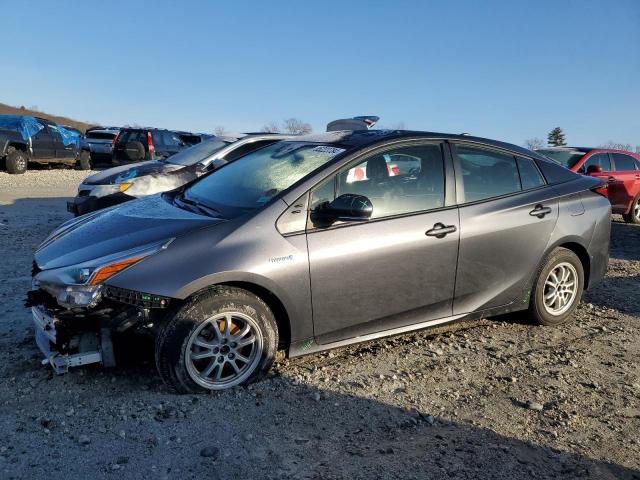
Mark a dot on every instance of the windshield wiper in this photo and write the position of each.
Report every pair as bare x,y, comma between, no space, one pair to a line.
196,206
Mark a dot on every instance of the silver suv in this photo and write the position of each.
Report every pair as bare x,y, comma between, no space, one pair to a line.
316,243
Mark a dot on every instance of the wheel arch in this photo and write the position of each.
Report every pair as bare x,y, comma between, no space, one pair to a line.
581,252
273,301
18,146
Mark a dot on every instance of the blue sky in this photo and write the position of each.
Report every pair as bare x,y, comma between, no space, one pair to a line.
509,70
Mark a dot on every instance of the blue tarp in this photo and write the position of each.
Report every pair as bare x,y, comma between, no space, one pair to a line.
69,137
28,126
25,125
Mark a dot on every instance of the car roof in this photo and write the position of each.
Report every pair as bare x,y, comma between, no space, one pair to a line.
353,139
102,130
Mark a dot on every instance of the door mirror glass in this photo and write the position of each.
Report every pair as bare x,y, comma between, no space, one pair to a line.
346,207
591,169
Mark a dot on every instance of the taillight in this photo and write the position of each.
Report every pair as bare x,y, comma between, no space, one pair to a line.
603,190
152,148
114,141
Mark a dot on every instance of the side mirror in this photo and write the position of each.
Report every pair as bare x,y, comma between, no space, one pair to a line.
591,169
347,207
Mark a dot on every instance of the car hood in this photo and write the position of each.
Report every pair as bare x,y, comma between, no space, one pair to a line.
117,229
128,172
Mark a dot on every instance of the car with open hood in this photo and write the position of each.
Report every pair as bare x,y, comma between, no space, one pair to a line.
288,249
126,182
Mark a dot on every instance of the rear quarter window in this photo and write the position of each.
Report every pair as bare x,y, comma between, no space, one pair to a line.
554,173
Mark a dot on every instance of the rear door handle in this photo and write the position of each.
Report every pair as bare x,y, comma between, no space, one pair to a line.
540,211
440,230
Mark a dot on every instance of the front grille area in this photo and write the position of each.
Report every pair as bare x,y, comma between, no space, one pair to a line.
84,193
40,298
139,299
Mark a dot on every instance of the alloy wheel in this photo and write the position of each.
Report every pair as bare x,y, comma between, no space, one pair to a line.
636,209
560,288
224,350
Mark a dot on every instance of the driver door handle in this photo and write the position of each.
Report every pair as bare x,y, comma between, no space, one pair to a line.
440,230
540,211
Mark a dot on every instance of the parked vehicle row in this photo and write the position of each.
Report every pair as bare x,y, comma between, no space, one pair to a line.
295,246
620,170
26,139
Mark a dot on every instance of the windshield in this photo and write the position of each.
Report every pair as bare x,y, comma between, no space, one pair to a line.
197,153
253,180
566,158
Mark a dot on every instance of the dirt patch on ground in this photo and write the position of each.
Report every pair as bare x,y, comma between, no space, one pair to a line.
495,399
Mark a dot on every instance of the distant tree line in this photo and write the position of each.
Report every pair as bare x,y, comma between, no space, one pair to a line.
556,138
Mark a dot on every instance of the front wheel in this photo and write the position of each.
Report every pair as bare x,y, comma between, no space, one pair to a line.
558,288
219,339
634,213
16,161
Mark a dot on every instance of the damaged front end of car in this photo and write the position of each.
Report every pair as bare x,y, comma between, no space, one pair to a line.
76,313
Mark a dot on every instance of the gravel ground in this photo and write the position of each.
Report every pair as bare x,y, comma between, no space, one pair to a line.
495,399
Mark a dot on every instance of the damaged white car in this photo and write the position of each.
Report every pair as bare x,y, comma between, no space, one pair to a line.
127,182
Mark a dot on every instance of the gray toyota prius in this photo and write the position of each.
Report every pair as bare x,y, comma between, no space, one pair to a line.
316,243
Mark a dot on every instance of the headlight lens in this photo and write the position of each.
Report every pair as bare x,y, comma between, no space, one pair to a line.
81,285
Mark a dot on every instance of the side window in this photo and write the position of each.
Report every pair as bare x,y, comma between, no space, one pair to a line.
171,139
530,176
601,159
487,174
44,134
624,163
396,181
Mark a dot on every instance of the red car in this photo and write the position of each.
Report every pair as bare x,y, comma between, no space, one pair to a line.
618,168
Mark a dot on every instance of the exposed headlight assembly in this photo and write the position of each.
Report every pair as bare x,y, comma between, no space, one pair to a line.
81,285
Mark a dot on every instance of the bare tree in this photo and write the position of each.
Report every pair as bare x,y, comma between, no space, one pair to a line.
219,131
271,127
534,143
616,146
295,126
292,125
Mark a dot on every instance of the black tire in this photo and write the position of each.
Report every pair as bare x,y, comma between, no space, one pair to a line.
16,161
135,151
174,341
634,213
84,160
538,311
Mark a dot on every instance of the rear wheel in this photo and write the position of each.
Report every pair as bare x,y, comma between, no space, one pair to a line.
634,213
84,160
558,288
218,340
16,161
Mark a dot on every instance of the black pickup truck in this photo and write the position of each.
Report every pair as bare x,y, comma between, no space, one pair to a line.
25,140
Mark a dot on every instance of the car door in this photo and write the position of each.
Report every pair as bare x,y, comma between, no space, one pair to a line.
507,214
42,145
626,185
393,269
63,152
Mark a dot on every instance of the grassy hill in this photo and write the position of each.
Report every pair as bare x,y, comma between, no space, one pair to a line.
9,110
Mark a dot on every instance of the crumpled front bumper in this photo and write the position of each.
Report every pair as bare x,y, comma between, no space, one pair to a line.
46,339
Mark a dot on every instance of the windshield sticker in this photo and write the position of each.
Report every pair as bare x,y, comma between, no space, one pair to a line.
328,150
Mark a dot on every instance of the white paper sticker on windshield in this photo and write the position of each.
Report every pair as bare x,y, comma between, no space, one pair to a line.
328,150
